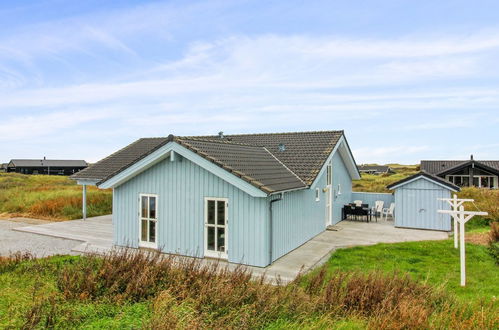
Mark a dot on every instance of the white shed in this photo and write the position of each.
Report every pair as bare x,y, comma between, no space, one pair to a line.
417,202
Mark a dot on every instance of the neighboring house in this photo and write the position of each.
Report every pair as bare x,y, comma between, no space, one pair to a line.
464,173
248,198
46,166
375,169
3,167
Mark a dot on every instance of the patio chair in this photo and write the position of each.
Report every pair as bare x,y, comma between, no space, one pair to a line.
378,208
358,203
388,211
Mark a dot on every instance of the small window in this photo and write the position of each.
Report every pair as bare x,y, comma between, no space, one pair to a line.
317,194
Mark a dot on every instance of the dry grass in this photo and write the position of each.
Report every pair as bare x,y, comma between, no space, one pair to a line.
188,294
48,197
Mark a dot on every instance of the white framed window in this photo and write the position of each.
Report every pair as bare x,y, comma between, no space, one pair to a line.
148,220
317,194
215,227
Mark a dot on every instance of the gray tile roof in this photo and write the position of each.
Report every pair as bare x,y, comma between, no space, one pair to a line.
48,162
253,157
439,166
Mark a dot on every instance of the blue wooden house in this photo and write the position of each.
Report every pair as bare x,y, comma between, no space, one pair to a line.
248,198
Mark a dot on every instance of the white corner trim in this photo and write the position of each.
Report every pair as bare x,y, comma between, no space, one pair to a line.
163,152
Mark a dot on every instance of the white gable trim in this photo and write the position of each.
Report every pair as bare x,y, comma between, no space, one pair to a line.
425,178
165,152
347,157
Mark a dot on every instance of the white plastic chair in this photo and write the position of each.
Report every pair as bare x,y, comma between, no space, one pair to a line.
378,208
388,211
358,203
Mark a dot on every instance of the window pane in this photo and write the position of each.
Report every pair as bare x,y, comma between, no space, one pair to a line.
144,207
221,239
485,181
152,207
466,181
152,231
221,213
475,181
211,212
211,238
143,231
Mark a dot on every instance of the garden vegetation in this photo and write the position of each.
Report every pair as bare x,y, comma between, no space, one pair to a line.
136,289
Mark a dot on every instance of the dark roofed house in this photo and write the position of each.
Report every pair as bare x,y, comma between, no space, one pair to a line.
248,198
46,166
465,173
375,169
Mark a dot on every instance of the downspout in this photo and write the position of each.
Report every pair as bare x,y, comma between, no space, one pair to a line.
271,227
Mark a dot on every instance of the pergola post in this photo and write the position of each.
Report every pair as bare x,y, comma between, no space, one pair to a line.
84,202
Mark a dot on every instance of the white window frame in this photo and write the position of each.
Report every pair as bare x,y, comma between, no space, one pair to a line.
317,195
210,253
142,243
329,197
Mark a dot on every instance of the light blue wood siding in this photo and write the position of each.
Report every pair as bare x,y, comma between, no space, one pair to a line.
340,177
298,217
371,198
181,187
416,206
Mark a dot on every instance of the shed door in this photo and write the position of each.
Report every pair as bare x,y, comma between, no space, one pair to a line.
419,209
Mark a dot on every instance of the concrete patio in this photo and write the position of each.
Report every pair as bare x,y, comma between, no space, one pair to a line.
95,235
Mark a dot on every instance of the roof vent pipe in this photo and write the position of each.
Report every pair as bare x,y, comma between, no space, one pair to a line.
471,157
221,134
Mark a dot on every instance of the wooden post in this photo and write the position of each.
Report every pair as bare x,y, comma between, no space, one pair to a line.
463,250
454,217
84,203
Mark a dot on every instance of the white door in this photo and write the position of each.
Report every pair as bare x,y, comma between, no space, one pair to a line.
215,227
329,195
148,219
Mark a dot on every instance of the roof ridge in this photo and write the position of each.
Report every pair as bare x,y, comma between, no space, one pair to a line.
221,141
280,133
285,167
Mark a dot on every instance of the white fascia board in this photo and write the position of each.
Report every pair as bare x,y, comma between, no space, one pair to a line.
347,158
425,178
163,152
87,182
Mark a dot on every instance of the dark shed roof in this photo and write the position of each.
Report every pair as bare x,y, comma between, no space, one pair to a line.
441,166
427,175
255,158
48,162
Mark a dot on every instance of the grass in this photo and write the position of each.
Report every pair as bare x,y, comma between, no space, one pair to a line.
378,183
49,197
359,288
434,262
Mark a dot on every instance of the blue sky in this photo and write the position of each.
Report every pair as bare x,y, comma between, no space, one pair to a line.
406,80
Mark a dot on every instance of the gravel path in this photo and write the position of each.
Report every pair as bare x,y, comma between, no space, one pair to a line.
39,245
